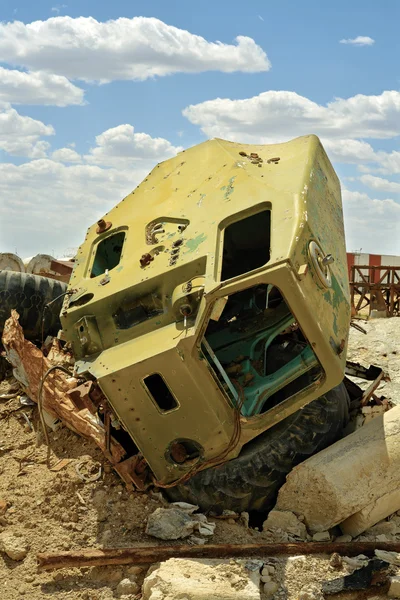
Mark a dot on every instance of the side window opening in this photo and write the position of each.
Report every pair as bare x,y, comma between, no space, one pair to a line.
108,254
160,392
257,351
246,245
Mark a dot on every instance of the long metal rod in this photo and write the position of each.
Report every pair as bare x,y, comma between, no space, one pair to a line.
145,555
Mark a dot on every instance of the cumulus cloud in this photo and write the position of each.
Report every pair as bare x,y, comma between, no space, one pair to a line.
19,87
122,146
360,40
47,205
137,48
365,216
380,184
280,115
20,135
66,155
389,162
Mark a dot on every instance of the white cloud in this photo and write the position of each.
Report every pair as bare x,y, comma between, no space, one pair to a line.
121,146
20,135
383,185
47,206
279,115
360,40
18,87
349,150
136,48
371,224
58,8
389,162
66,155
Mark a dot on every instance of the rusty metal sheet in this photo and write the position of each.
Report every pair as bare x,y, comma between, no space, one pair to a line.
29,365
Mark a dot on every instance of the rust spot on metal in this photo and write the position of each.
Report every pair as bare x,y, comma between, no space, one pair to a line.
103,226
146,260
178,452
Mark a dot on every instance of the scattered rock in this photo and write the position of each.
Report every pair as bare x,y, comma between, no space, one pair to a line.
322,536
336,561
14,545
3,506
126,587
394,589
286,521
270,588
393,558
169,524
244,519
355,562
201,580
382,528
178,522
343,539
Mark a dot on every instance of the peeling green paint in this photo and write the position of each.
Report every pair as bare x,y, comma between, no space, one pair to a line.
334,296
228,189
193,244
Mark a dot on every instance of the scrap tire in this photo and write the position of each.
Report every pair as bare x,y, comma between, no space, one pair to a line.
251,481
29,294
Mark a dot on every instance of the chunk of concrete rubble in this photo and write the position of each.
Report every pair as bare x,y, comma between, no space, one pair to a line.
372,514
270,587
126,587
14,545
178,522
347,476
384,527
355,562
394,589
336,561
322,536
393,558
287,522
343,539
201,580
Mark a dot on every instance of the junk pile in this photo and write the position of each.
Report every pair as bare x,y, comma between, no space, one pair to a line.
43,265
175,350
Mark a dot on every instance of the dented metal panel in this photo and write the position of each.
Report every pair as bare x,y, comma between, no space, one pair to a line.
168,260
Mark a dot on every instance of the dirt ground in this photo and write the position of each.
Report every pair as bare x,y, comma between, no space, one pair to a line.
55,510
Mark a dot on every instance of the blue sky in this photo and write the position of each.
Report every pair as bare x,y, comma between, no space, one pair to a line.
87,107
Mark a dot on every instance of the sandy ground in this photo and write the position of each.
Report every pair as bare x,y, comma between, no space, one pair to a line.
58,511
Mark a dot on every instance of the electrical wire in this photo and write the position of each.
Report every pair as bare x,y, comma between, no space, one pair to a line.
46,374
40,405
233,442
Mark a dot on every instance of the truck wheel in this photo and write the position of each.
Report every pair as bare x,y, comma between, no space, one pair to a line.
251,481
28,294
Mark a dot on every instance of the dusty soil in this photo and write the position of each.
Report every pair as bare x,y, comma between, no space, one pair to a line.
56,510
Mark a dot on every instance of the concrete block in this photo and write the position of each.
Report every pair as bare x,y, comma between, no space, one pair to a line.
351,474
372,513
201,580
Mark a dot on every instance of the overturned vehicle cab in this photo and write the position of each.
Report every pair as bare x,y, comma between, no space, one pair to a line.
209,310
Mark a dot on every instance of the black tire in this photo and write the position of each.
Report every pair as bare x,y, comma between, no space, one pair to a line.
28,294
251,481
